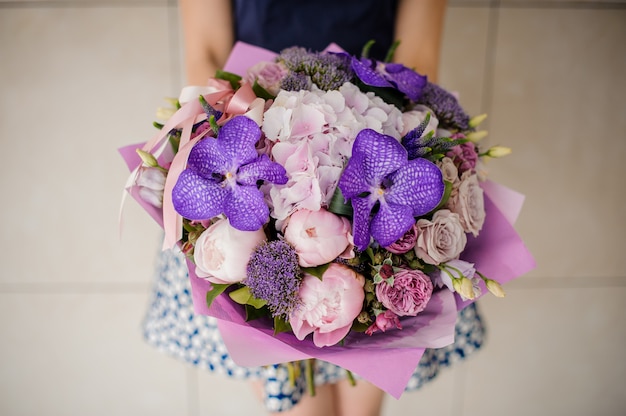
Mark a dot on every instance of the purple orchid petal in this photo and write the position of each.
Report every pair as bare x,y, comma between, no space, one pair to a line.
196,198
352,181
405,80
419,185
246,209
262,169
222,174
390,223
237,139
205,159
364,71
382,155
362,208
379,171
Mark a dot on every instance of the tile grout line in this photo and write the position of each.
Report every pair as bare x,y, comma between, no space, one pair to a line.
174,42
490,57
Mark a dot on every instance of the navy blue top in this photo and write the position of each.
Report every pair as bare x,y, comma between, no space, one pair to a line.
313,24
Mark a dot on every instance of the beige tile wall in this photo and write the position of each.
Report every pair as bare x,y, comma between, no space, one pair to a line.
80,78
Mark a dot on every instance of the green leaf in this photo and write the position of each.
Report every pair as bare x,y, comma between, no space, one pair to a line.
389,95
243,296
317,271
338,206
253,313
261,92
446,195
280,325
230,77
216,290
358,326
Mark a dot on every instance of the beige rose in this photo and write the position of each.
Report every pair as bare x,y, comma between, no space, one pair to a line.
441,239
449,170
467,200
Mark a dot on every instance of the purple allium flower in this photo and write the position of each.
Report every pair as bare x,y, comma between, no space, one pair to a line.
445,106
274,275
328,71
390,75
295,81
386,189
222,175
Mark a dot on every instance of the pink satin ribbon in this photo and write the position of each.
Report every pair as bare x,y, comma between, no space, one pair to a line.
224,99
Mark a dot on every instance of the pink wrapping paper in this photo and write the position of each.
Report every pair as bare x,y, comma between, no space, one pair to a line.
385,359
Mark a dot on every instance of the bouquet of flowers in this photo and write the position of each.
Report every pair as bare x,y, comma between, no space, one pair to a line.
330,206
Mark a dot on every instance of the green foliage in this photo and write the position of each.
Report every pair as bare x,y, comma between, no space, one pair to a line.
216,290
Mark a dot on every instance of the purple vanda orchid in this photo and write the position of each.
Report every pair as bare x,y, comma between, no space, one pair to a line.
389,75
380,175
222,174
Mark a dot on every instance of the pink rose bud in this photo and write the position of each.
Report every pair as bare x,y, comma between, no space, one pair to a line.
386,271
406,243
384,321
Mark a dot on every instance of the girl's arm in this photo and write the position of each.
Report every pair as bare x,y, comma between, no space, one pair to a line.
419,27
208,37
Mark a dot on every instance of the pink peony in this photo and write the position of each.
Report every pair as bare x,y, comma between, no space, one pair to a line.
440,239
317,236
384,321
408,295
406,243
222,252
329,305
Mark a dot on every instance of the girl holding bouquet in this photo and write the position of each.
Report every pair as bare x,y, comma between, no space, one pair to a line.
210,28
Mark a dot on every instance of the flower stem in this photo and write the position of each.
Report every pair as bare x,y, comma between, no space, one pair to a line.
351,378
310,381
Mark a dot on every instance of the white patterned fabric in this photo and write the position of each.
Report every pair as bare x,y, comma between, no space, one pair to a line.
171,326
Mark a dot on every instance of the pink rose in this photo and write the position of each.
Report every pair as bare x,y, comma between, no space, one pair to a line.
221,253
317,236
467,200
384,321
404,244
441,239
464,156
328,305
408,295
268,75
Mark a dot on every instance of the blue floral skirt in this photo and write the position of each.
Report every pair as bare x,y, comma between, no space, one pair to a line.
171,326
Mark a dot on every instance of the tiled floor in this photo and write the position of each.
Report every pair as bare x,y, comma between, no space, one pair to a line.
80,78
